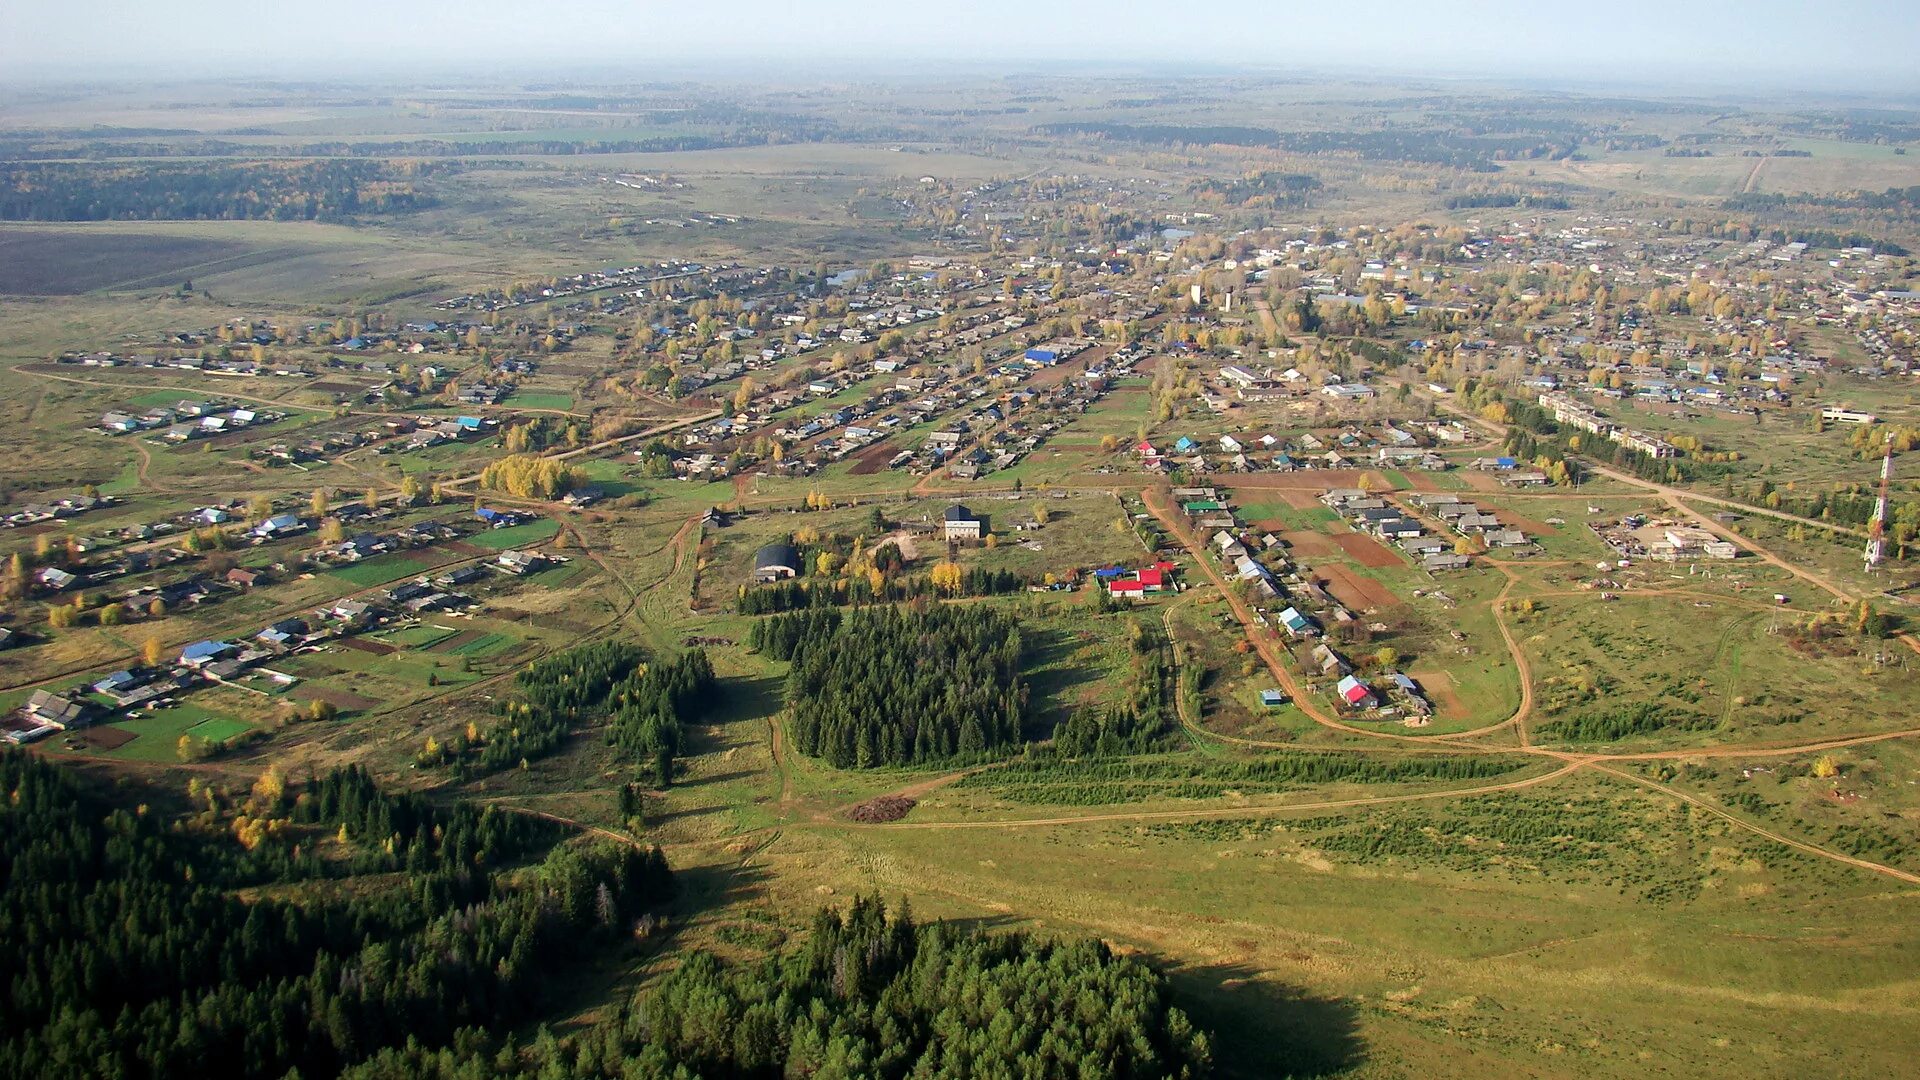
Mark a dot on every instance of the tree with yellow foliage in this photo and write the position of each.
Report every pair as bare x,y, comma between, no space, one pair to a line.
946,577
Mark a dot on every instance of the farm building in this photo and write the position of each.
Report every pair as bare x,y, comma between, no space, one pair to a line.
776,561
959,523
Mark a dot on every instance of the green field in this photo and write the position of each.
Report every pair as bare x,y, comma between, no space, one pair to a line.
485,645
513,536
380,569
158,734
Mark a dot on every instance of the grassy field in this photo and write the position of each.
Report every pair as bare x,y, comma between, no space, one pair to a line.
526,533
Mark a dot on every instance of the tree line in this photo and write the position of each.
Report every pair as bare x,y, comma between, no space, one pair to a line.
897,686
791,594
217,191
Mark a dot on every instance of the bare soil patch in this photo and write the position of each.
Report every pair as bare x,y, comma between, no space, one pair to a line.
377,648
1367,551
1310,543
107,738
1439,690
457,640
871,459
883,809
1354,590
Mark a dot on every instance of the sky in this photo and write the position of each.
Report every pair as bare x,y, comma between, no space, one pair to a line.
1785,44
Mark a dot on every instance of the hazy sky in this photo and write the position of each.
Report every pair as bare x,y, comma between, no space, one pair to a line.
1868,44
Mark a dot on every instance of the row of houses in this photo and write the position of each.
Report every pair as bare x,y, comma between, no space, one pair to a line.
1467,519
1571,412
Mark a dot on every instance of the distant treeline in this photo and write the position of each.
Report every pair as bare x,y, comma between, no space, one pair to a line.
210,191
1476,153
1277,190
891,686
1904,200
1503,199
416,148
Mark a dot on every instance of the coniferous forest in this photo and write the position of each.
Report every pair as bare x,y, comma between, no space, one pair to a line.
330,928
291,931
870,996
895,686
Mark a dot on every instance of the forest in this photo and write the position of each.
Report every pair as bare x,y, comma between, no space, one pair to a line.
211,191
646,706
131,952
895,686
871,995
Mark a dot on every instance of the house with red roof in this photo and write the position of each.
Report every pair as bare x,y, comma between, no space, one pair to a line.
1355,694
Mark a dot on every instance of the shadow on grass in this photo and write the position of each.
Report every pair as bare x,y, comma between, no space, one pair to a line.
1260,1028
742,701
1052,682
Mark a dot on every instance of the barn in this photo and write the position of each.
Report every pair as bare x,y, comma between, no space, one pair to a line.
775,562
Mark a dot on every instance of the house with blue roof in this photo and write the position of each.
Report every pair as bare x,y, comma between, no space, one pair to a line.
202,653
1297,624
280,525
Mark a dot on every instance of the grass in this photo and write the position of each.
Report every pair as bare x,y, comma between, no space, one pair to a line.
484,645
417,637
219,729
556,402
158,733
513,536
380,569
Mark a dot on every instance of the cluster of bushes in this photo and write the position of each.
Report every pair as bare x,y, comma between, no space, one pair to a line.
1093,782
645,705
1610,725
530,476
1144,721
